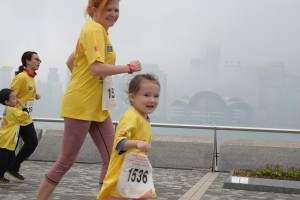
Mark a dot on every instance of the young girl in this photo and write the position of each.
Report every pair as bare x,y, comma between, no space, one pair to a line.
129,174
12,117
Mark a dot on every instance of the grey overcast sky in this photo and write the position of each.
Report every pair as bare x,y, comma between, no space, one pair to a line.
164,32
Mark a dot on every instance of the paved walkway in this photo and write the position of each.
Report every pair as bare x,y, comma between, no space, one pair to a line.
80,183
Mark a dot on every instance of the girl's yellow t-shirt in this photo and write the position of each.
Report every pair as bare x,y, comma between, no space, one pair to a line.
83,97
132,126
12,118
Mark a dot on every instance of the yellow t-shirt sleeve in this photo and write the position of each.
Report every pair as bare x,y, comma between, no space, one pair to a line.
95,46
124,130
17,84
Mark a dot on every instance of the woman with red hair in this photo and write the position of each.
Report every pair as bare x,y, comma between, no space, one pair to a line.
86,103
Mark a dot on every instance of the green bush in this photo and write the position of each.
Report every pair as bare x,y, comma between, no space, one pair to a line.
276,172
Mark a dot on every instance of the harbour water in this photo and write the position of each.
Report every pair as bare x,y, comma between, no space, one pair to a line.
288,137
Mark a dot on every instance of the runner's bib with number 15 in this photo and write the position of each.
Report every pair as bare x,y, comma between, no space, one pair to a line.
29,105
108,94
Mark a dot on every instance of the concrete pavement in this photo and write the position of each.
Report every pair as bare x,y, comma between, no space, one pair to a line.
81,183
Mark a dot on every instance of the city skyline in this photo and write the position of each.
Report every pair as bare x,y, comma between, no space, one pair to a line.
268,97
246,49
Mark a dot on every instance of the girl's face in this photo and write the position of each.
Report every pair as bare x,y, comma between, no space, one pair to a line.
12,101
34,62
146,99
109,16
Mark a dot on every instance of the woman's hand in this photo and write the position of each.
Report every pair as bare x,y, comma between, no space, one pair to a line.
37,96
137,65
20,102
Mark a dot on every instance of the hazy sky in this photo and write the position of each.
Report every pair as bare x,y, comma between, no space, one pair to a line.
164,32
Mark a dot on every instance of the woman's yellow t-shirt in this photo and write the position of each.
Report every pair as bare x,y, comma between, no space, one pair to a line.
83,97
25,89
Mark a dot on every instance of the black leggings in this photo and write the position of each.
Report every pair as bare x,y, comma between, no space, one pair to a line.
7,157
30,140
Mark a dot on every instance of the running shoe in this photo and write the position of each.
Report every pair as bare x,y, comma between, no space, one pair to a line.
16,175
4,180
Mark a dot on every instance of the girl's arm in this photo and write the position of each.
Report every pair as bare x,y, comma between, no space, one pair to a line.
143,146
20,102
24,108
22,115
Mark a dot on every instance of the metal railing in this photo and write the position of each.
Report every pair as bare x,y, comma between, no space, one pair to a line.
214,128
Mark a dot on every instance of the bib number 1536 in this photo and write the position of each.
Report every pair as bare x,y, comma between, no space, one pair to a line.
135,180
138,175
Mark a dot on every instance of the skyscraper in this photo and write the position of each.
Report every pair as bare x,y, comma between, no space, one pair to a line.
5,79
5,76
51,93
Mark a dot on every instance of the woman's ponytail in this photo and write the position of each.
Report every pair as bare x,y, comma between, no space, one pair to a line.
21,69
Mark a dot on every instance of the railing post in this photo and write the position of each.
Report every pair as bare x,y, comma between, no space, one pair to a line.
215,154
115,123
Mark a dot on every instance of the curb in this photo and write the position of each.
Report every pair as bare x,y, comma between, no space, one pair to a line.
262,185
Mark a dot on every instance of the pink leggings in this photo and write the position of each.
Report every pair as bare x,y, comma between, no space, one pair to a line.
75,132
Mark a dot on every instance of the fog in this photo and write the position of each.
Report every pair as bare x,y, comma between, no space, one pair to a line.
224,62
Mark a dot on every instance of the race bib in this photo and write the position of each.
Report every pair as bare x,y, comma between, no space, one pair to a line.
17,135
135,180
29,105
108,94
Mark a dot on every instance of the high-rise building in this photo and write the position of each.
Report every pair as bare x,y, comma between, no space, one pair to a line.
54,92
5,76
280,96
206,71
51,93
5,79
68,77
53,76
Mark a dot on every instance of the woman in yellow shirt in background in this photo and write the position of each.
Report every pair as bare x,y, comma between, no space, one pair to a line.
23,84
